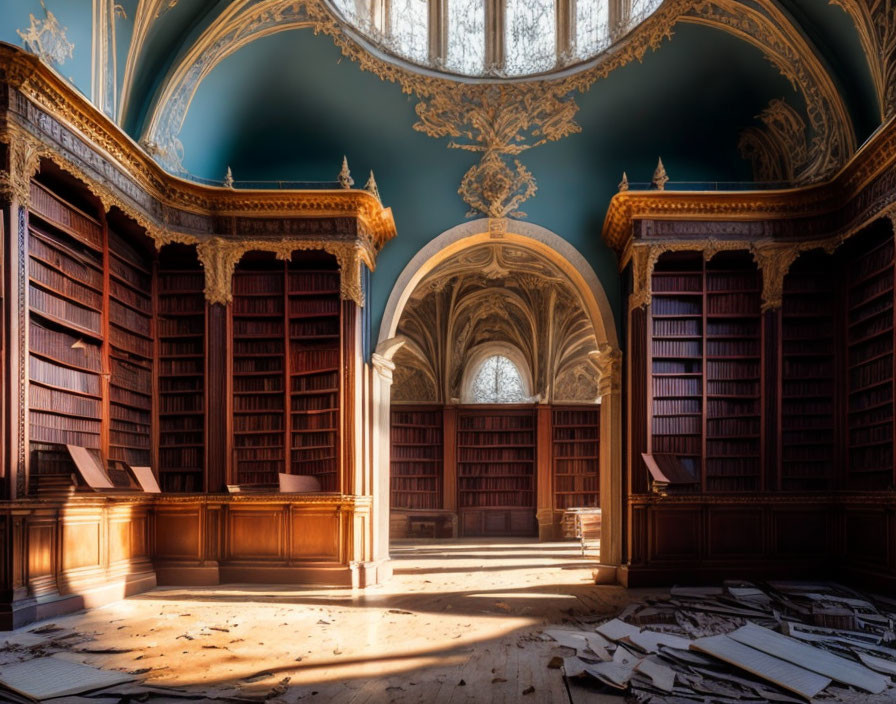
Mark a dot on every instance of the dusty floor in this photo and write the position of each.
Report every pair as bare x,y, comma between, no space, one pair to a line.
459,622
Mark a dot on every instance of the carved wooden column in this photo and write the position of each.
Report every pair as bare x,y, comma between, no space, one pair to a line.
381,421
608,360
20,162
544,494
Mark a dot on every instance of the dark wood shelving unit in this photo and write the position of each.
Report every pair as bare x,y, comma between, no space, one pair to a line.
576,456
416,476
286,356
181,330
496,457
808,369
868,280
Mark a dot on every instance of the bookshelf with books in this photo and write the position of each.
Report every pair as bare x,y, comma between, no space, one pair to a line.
180,326
130,343
416,474
676,360
496,471
868,278
314,323
286,359
706,368
808,367
733,344
575,455
65,329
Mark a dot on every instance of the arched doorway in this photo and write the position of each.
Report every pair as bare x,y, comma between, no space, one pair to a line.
569,275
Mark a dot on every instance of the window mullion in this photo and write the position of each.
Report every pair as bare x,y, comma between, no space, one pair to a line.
494,35
566,30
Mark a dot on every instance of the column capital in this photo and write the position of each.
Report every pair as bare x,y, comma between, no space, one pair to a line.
608,361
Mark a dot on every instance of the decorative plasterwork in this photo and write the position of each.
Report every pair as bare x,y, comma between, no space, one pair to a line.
488,295
46,38
53,122
501,120
765,26
779,150
607,359
875,21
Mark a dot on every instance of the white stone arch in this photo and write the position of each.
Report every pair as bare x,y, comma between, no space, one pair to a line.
606,360
534,237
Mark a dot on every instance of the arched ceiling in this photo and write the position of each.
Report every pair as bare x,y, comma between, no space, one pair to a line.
490,299
277,90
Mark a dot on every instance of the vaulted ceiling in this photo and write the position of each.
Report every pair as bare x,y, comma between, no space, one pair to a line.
722,90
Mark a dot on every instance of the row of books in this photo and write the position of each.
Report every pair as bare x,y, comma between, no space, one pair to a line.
56,211
181,304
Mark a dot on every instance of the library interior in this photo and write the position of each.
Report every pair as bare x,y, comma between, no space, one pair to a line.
348,347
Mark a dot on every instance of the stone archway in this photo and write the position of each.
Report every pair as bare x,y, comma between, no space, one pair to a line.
606,359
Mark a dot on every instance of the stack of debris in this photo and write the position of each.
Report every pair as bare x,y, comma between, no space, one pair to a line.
41,665
781,642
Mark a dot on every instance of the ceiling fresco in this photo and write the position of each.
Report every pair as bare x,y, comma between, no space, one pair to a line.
722,90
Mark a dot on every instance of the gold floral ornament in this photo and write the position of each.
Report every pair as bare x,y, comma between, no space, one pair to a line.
499,121
47,39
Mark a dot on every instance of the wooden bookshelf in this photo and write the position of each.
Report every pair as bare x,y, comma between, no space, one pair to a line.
66,330
131,352
575,454
706,368
676,346
286,383
733,381
181,313
496,456
808,398
416,475
869,360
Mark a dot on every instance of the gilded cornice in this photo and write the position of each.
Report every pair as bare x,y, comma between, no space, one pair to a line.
501,119
864,182
56,123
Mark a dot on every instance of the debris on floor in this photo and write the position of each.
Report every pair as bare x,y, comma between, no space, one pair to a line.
741,642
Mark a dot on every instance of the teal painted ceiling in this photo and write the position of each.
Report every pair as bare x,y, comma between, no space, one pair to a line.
289,105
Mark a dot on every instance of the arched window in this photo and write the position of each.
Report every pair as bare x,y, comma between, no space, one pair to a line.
498,380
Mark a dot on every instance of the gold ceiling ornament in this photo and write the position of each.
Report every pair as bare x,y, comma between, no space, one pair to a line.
875,21
660,177
46,38
779,150
345,176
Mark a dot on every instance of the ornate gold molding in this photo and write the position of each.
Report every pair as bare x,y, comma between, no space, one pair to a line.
219,258
779,150
25,154
645,255
773,259
875,21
